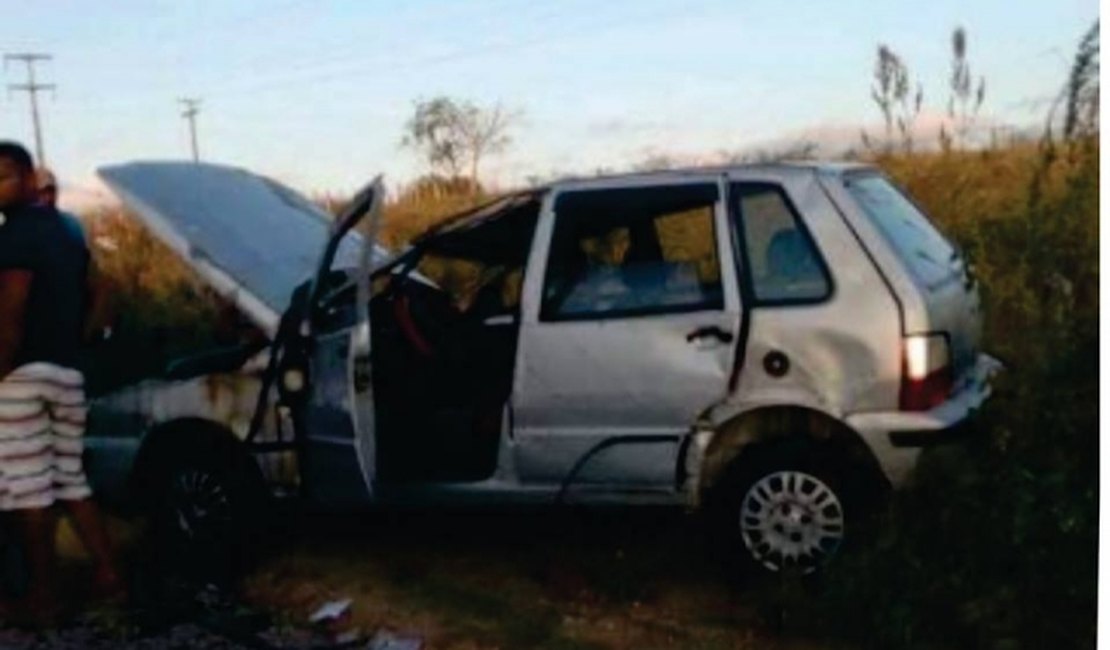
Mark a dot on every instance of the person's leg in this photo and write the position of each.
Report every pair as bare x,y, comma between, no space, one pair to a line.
90,527
26,463
67,420
37,531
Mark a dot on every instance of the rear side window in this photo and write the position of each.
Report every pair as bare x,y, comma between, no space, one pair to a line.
917,243
630,252
784,265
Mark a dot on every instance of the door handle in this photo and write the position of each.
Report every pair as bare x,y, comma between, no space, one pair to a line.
710,331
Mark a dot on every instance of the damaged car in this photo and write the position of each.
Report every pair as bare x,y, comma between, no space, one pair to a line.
774,344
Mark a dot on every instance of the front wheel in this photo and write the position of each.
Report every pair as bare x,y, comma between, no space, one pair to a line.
205,511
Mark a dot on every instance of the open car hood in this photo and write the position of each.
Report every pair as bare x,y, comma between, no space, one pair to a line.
252,239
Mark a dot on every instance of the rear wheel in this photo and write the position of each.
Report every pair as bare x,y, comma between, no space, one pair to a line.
783,507
791,519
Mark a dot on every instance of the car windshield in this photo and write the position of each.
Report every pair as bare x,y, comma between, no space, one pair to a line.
914,239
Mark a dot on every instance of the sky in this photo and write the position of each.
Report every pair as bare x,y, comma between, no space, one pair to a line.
316,93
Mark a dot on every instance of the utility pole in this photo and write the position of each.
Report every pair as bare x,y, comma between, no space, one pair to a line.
32,87
192,107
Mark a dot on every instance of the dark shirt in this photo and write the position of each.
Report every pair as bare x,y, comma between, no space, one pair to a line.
71,222
52,247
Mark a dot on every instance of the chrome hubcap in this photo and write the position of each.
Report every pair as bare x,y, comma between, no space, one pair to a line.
791,520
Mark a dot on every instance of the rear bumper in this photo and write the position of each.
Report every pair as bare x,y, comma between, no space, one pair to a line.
897,437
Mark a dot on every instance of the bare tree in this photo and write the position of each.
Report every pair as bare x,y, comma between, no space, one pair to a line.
891,92
963,102
454,135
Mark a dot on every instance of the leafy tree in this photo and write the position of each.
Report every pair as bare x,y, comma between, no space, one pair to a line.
457,135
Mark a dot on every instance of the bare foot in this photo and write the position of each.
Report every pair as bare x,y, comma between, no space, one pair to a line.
108,586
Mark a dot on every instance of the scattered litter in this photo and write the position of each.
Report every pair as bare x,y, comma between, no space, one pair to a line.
387,641
347,638
330,611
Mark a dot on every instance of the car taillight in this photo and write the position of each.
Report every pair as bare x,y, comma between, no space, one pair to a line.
926,372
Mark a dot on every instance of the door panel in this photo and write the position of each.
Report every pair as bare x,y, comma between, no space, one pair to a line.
631,323
339,429
331,462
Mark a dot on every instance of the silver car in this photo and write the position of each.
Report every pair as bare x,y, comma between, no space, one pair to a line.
772,343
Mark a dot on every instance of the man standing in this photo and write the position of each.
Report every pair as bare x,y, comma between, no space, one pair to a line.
98,314
43,266
46,192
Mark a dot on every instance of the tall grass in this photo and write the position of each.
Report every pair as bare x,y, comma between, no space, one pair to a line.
995,545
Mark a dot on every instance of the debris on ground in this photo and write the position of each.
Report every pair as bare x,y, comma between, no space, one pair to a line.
330,611
208,618
384,640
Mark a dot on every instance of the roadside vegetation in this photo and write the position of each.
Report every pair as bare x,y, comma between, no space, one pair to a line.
995,544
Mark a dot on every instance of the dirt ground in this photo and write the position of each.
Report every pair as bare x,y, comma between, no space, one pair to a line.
572,578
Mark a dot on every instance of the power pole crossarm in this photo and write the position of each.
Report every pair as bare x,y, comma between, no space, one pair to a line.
191,109
32,88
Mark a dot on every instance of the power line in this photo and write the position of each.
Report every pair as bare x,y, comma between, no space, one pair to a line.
192,107
32,88
392,63
315,70
476,23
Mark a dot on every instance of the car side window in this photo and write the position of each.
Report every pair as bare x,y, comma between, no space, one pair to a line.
784,264
633,252
482,288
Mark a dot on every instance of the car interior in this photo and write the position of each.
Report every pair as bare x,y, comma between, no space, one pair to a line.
445,324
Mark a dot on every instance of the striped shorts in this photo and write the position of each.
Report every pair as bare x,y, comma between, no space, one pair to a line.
42,421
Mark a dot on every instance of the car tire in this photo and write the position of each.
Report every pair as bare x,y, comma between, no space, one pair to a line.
206,509
784,508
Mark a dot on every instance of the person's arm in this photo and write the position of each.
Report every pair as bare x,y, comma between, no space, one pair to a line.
15,287
98,314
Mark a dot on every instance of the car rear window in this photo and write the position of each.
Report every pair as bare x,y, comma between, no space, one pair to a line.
914,239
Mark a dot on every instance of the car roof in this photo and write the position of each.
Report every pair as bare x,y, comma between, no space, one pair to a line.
497,208
784,169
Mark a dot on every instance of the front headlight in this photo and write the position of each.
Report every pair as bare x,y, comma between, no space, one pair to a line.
292,380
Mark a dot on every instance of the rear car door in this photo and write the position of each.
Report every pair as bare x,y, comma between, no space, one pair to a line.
631,319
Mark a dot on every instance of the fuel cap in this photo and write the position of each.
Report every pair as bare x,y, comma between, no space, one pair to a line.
776,364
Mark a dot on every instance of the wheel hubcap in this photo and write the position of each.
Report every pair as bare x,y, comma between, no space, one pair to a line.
201,505
791,520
